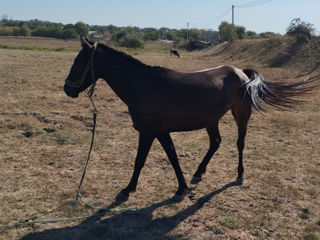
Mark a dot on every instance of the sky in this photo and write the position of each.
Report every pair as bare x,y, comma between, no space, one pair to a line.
256,15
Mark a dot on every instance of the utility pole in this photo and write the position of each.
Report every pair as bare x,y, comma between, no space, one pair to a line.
232,14
187,31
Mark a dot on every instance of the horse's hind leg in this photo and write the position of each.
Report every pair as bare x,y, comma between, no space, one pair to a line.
215,140
241,114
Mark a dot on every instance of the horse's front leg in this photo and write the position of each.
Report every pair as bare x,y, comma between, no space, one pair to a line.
145,142
167,144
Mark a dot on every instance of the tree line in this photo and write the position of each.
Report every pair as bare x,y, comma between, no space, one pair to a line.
135,36
40,28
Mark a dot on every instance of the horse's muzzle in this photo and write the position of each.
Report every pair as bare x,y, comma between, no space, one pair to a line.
71,91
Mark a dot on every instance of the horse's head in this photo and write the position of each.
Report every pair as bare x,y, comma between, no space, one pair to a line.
80,76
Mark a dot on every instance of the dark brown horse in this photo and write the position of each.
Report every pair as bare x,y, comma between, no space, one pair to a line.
161,101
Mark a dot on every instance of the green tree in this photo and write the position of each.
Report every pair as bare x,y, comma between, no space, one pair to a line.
21,31
182,33
252,34
6,31
117,36
81,28
269,35
112,29
227,32
151,34
194,34
300,30
241,32
131,41
69,33
68,26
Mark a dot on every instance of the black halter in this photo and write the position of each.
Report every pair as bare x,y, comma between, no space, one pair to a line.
78,84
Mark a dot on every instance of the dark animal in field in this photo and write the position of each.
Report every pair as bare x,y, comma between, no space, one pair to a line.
161,101
174,52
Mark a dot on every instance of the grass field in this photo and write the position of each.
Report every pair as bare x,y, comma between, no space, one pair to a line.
45,137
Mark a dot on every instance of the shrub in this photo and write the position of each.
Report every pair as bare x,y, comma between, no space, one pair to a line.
69,33
6,31
241,32
117,36
252,34
302,31
227,32
81,28
131,41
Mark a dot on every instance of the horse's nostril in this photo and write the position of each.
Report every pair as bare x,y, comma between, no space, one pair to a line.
71,92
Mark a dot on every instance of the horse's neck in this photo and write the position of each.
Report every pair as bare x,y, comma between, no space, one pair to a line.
120,76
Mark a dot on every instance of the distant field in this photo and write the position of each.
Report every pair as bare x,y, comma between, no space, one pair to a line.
38,42
45,137
52,44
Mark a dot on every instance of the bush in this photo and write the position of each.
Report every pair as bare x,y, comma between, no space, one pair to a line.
117,36
81,28
241,32
131,41
151,35
300,30
54,32
6,31
15,31
69,33
47,32
252,34
269,35
228,32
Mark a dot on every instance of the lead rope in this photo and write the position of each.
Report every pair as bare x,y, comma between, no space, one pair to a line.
79,196
95,113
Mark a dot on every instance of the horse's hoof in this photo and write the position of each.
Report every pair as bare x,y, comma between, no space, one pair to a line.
240,181
195,180
122,197
177,198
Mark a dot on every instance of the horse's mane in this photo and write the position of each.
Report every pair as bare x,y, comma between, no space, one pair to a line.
126,56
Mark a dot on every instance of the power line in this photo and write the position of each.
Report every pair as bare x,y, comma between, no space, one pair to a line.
248,4
215,19
252,3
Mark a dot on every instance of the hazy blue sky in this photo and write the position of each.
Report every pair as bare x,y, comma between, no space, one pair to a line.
256,15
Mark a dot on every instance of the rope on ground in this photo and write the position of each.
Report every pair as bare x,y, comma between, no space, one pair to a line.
85,203
79,196
28,222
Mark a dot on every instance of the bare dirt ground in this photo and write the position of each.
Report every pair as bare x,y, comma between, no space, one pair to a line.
45,137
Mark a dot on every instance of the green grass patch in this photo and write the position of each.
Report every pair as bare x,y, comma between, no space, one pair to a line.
144,50
65,137
33,48
230,222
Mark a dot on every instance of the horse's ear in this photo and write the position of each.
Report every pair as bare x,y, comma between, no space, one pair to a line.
89,41
84,42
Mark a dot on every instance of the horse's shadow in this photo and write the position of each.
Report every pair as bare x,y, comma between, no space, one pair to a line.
127,225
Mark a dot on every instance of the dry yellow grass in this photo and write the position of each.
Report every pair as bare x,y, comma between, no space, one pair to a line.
45,138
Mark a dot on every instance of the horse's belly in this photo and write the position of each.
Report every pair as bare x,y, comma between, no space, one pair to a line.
192,120
175,117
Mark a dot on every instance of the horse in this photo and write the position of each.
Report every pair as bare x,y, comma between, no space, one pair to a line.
174,52
161,101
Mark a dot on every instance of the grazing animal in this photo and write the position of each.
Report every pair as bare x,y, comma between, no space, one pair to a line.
174,52
161,101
